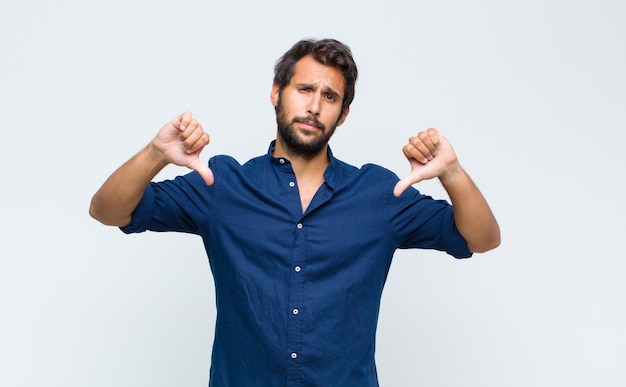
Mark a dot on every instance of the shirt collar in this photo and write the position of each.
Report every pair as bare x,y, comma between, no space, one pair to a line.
329,173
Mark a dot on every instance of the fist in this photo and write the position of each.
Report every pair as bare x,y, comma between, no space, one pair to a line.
430,155
180,141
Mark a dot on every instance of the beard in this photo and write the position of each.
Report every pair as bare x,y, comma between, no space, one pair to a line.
300,145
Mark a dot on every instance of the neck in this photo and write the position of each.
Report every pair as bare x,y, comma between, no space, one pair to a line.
309,171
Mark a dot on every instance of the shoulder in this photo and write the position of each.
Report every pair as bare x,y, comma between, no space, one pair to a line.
223,161
367,172
230,161
369,168
221,164
370,180
230,172
377,170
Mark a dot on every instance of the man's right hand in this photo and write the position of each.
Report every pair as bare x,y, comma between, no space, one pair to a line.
180,142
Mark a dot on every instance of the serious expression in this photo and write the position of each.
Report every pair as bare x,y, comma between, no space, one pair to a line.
308,109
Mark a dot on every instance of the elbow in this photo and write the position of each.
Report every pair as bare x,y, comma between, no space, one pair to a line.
94,210
99,212
489,242
484,247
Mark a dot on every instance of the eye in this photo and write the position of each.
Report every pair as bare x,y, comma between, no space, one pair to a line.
330,97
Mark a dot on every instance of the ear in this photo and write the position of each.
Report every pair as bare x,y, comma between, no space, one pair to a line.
274,94
343,116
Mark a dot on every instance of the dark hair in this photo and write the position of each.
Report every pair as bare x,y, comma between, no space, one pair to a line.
328,52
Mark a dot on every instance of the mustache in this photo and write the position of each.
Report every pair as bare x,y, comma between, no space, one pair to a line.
309,120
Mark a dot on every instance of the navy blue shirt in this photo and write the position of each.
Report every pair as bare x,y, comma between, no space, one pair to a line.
297,294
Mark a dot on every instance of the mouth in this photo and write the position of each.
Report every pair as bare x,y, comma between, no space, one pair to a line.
310,124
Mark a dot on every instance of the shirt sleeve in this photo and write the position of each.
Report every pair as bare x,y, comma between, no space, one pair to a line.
419,221
172,205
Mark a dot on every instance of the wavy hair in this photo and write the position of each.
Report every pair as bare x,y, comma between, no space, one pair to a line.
328,52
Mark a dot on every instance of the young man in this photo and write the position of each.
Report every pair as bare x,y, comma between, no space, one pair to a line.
299,242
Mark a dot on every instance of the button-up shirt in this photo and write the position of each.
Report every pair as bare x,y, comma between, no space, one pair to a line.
297,294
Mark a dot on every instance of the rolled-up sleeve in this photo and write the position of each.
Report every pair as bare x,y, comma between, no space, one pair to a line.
419,221
142,214
172,205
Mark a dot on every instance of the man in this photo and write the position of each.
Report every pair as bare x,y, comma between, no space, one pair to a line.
299,242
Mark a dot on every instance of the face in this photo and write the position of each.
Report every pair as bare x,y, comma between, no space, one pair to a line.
308,109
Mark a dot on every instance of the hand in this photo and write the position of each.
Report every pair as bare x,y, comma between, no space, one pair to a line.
430,155
180,142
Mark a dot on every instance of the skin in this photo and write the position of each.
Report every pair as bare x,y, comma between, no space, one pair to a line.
309,107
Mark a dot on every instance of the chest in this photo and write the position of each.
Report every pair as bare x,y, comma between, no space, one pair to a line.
306,192
320,220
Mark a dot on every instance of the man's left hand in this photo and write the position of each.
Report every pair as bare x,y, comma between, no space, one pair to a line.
430,155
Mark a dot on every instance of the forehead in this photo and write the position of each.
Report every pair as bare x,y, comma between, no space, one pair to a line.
310,71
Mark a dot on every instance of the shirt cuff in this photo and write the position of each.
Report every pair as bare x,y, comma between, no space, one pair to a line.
142,214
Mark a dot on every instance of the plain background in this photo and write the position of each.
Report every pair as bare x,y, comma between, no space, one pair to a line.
532,94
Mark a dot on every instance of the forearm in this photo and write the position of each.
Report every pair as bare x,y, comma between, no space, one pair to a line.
115,201
472,214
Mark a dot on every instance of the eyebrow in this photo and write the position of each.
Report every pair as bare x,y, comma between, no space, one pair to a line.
327,89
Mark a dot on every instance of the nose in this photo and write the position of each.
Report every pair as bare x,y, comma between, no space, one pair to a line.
315,104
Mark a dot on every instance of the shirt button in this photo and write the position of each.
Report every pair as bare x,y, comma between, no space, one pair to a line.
297,269
299,225
292,184
294,355
282,161
296,311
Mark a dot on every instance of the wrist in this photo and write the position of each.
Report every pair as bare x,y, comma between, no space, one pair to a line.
153,155
452,174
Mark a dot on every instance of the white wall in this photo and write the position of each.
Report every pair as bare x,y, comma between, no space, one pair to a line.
531,93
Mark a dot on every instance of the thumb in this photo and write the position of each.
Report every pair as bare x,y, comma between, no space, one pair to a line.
203,170
401,186
412,178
